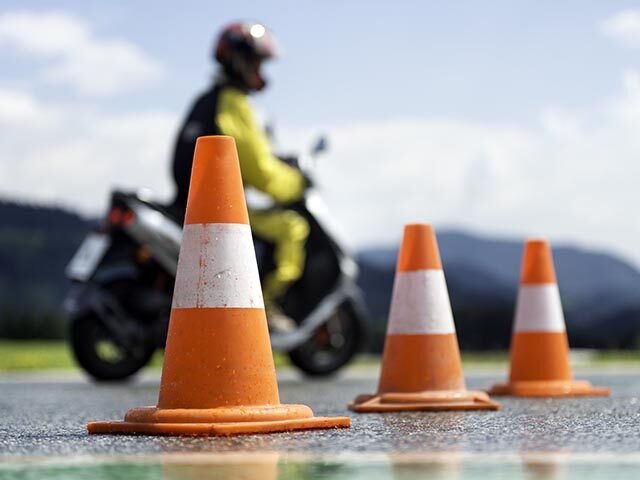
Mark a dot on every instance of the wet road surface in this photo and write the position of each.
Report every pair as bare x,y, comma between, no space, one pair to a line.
42,433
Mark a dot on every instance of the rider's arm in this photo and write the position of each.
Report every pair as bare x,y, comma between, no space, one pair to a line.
260,168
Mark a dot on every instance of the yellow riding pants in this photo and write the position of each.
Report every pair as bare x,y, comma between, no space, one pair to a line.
288,231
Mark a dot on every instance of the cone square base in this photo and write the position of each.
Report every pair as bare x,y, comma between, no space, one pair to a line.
433,401
217,429
221,421
552,388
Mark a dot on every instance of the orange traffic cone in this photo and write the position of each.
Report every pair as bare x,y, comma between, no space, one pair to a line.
218,376
539,346
421,368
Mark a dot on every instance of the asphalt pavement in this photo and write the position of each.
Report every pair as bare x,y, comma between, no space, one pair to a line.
43,434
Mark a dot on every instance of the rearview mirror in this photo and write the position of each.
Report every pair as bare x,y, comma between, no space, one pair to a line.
320,146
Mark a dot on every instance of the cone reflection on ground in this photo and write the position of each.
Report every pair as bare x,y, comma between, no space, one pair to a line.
440,466
241,466
545,465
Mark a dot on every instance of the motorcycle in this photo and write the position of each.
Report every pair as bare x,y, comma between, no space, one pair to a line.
123,276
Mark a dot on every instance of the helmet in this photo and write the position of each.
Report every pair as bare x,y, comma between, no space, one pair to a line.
241,49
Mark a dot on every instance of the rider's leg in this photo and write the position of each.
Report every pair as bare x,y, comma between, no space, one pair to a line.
288,231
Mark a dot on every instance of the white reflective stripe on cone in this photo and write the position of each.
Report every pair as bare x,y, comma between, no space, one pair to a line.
420,304
539,309
217,268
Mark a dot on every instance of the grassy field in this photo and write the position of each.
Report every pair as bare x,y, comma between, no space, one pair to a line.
43,355
34,355
47,355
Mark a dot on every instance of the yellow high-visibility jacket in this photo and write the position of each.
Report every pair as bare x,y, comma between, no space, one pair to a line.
260,168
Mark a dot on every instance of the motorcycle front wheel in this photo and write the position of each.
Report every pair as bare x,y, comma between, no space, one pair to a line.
100,356
332,345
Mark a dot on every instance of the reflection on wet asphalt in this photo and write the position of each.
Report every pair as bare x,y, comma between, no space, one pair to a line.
587,437
281,466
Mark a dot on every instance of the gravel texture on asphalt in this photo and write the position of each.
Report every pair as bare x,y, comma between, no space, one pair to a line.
48,419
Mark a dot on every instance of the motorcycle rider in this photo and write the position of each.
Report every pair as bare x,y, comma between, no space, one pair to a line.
224,110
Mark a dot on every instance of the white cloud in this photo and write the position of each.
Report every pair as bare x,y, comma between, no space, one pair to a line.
76,56
624,27
76,160
21,108
573,177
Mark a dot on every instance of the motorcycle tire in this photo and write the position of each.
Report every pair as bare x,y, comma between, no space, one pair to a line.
332,345
97,353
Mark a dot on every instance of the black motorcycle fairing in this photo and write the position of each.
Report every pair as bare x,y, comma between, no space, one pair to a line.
135,271
173,211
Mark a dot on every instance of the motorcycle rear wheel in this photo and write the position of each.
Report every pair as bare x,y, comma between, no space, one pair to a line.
100,356
332,345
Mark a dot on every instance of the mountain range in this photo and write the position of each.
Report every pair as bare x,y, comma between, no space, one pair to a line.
600,292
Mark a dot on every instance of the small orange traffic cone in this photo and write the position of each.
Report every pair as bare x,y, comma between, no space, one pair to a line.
539,347
218,376
421,367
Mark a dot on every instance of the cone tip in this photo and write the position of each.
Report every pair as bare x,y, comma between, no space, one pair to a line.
418,227
419,249
537,262
216,194
537,242
218,141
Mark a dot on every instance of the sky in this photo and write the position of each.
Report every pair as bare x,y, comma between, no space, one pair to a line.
502,118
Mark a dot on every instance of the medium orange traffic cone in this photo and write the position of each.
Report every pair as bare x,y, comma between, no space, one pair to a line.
421,368
539,347
218,376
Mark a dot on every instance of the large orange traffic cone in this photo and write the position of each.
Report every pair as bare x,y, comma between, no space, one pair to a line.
539,347
421,368
218,376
